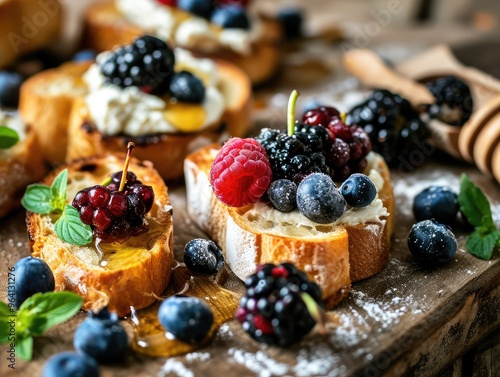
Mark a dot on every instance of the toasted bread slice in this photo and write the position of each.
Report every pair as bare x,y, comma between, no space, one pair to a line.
20,165
132,274
45,103
26,26
332,255
50,99
166,151
105,27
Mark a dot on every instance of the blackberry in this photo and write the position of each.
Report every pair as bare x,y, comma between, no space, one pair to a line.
294,157
147,63
453,100
393,126
272,310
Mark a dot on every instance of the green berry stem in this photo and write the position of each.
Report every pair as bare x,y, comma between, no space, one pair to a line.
292,101
130,146
315,311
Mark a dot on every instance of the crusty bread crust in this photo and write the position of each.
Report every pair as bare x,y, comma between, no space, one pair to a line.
105,27
166,151
27,25
131,277
23,165
333,259
45,104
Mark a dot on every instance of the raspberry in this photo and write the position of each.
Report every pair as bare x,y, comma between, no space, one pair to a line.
240,173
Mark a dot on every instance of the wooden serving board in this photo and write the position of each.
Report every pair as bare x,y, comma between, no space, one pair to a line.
407,320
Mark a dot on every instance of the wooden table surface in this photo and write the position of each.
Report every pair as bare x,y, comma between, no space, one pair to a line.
407,320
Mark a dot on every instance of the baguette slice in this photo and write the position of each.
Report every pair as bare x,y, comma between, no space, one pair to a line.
331,255
52,102
105,27
45,103
131,274
20,165
166,151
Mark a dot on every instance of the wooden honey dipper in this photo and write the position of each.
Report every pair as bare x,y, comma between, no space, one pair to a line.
478,140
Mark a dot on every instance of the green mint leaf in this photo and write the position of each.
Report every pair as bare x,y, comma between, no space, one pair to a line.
43,310
24,347
8,137
58,190
37,199
481,243
70,228
4,332
474,204
4,310
4,322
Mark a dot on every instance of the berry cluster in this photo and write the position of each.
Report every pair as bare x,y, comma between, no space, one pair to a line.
114,214
272,310
148,63
228,14
394,127
321,144
453,100
348,145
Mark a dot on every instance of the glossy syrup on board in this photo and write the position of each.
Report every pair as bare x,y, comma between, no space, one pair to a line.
150,338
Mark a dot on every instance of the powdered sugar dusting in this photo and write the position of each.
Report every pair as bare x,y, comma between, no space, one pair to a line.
318,360
259,363
175,367
197,356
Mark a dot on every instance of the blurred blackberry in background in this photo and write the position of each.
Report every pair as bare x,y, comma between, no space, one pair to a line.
453,101
394,127
147,63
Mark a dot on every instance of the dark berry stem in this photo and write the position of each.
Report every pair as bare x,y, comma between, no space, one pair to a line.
292,101
130,147
316,311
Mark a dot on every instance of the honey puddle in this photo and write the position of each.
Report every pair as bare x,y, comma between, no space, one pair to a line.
150,338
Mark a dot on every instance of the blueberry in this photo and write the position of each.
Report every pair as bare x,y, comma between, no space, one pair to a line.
358,190
319,200
291,20
432,243
85,55
102,337
32,276
283,195
10,83
438,203
203,257
202,8
187,318
186,87
70,364
231,17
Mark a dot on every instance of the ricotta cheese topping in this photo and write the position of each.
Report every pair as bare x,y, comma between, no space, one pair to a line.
191,32
294,223
132,112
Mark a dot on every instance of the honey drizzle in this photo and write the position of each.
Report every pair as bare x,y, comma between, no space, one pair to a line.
150,338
